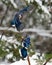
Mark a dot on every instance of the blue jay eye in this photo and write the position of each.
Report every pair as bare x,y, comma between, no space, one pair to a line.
24,52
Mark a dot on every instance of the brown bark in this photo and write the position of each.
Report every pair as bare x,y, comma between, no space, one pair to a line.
47,61
28,60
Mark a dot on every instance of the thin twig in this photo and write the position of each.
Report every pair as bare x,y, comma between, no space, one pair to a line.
47,61
28,60
4,15
1,36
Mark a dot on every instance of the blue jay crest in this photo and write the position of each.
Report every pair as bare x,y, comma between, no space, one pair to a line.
24,52
26,42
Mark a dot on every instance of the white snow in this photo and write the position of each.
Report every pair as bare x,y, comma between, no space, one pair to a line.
24,62
9,55
32,61
43,7
21,62
49,63
14,4
10,39
4,63
4,37
45,35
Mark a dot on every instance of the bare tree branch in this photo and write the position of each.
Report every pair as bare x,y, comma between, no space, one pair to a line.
28,60
44,33
47,61
1,36
4,15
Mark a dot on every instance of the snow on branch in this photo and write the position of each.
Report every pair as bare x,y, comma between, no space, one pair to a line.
44,33
10,39
14,4
42,7
39,2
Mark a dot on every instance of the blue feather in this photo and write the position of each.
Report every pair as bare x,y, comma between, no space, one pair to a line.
24,52
12,22
16,21
18,24
26,42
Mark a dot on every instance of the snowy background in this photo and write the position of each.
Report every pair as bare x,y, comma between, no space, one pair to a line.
38,25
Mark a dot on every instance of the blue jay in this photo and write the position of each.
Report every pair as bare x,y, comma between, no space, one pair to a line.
26,42
24,52
18,24
16,21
